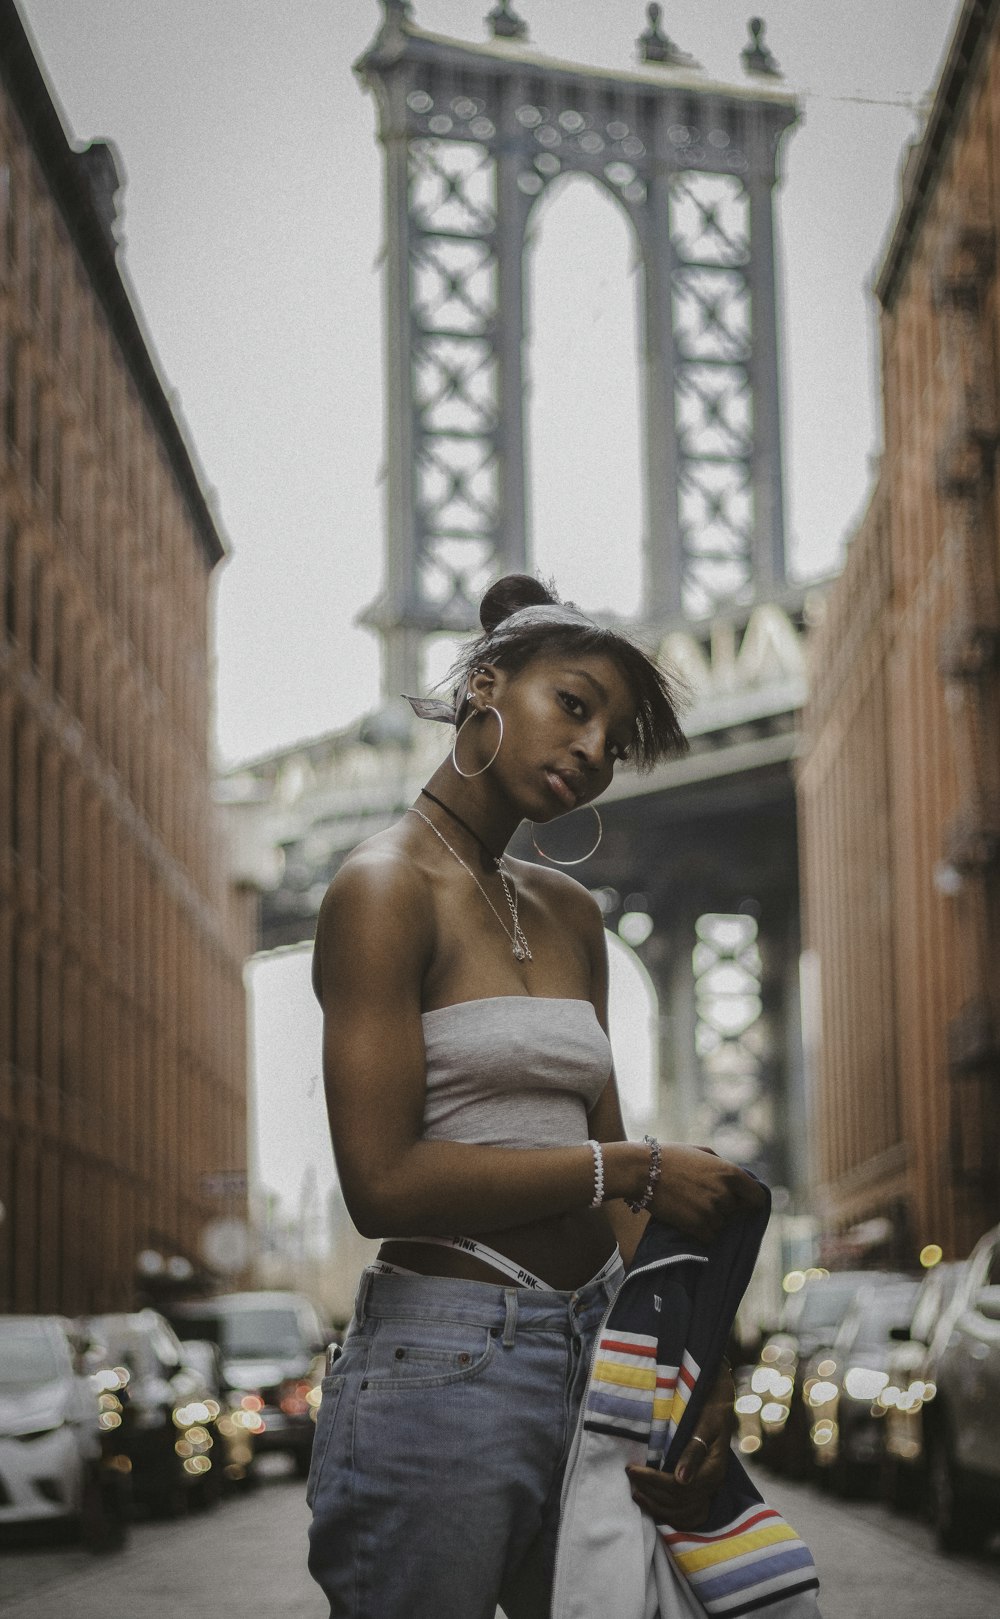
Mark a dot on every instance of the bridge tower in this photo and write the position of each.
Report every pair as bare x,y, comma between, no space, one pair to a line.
698,865
473,136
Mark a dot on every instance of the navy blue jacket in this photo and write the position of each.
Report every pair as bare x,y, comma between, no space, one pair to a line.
657,1357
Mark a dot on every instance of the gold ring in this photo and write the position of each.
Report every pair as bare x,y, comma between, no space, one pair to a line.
697,1440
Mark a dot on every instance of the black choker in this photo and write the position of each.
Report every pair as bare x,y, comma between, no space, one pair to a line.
496,858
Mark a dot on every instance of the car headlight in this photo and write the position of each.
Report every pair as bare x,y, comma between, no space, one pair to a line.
42,1433
822,1392
146,1416
864,1383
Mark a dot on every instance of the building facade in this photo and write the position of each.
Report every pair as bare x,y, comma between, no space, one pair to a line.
900,787
122,939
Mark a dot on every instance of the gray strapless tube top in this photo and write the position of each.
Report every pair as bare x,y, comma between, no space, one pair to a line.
513,1071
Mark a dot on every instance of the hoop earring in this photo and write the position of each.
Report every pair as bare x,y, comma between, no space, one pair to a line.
580,858
468,774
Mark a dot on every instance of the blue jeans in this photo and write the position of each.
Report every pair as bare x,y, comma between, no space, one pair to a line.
441,1443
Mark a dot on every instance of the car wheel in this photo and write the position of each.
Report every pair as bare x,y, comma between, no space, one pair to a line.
900,1484
170,1499
104,1511
208,1491
846,1480
959,1523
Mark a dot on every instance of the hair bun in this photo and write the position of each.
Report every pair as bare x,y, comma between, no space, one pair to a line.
513,591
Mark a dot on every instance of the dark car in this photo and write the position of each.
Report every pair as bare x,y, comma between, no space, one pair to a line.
962,1422
229,1428
159,1402
911,1388
773,1398
842,1385
273,1347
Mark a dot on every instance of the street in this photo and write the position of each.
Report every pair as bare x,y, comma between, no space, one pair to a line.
247,1561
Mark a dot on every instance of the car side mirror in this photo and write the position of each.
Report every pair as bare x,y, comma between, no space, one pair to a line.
987,1303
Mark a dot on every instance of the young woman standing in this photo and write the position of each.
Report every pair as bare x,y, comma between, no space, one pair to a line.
478,1133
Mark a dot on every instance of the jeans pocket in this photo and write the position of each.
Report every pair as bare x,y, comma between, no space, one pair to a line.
332,1388
427,1354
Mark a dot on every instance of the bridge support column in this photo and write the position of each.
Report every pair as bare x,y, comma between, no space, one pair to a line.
669,963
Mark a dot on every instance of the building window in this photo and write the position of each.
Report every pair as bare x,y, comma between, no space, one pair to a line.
57,472
58,664
11,554
14,787
35,255
35,457
35,612
7,208
10,411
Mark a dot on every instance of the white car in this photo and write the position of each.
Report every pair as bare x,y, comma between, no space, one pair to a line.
962,1424
51,1461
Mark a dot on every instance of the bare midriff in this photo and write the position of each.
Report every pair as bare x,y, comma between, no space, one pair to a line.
565,1251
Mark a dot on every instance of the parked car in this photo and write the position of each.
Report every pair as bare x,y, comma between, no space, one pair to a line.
962,1422
58,1466
159,1406
773,1400
229,1425
841,1386
911,1387
273,1351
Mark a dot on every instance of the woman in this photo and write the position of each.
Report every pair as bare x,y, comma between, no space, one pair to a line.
477,1131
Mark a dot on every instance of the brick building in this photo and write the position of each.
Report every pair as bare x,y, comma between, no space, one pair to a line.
900,786
122,939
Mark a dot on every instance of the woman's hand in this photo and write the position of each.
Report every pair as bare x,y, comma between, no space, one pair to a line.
682,1498
698,1191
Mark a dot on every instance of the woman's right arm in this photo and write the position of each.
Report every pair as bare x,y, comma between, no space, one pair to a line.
375,941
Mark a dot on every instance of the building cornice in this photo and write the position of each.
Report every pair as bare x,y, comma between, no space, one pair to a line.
73,194
972,32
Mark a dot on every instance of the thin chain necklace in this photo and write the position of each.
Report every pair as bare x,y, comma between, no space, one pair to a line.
519,943
425,792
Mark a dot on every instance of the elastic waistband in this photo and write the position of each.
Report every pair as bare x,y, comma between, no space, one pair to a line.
484,1303
491,1256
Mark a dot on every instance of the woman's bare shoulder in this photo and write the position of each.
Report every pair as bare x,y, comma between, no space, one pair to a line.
377,903
559,889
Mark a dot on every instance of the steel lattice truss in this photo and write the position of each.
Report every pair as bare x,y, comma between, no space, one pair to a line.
455,316
714,402
473,137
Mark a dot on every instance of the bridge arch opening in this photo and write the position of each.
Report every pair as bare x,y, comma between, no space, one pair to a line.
583,374
634,1015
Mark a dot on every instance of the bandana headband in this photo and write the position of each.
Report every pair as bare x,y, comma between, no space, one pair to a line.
545,614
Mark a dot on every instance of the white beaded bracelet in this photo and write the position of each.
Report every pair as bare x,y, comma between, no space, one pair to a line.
598,1152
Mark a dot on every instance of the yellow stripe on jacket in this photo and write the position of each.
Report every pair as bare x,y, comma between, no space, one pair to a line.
705,1556
633,1377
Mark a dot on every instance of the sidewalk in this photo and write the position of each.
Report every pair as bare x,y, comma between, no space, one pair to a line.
247,1560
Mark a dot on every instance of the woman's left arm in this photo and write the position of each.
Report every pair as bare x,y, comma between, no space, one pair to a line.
605,1118
681,1498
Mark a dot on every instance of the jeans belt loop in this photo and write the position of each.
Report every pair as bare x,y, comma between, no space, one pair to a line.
510,1321
364,1287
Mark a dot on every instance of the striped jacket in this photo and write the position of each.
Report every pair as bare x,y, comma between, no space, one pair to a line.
657,1356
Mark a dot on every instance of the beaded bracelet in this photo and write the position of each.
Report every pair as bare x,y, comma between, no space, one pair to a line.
646,1199
598,1152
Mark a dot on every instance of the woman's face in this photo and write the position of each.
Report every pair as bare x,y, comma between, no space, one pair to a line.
568,719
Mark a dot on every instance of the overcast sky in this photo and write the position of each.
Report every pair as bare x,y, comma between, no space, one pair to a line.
252,220
252,227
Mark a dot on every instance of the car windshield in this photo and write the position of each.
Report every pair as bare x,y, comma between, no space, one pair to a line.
114,1346
27,1356
823,1305
260,1332
880,1313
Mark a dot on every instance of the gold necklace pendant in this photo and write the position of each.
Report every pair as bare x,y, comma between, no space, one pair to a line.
519,944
